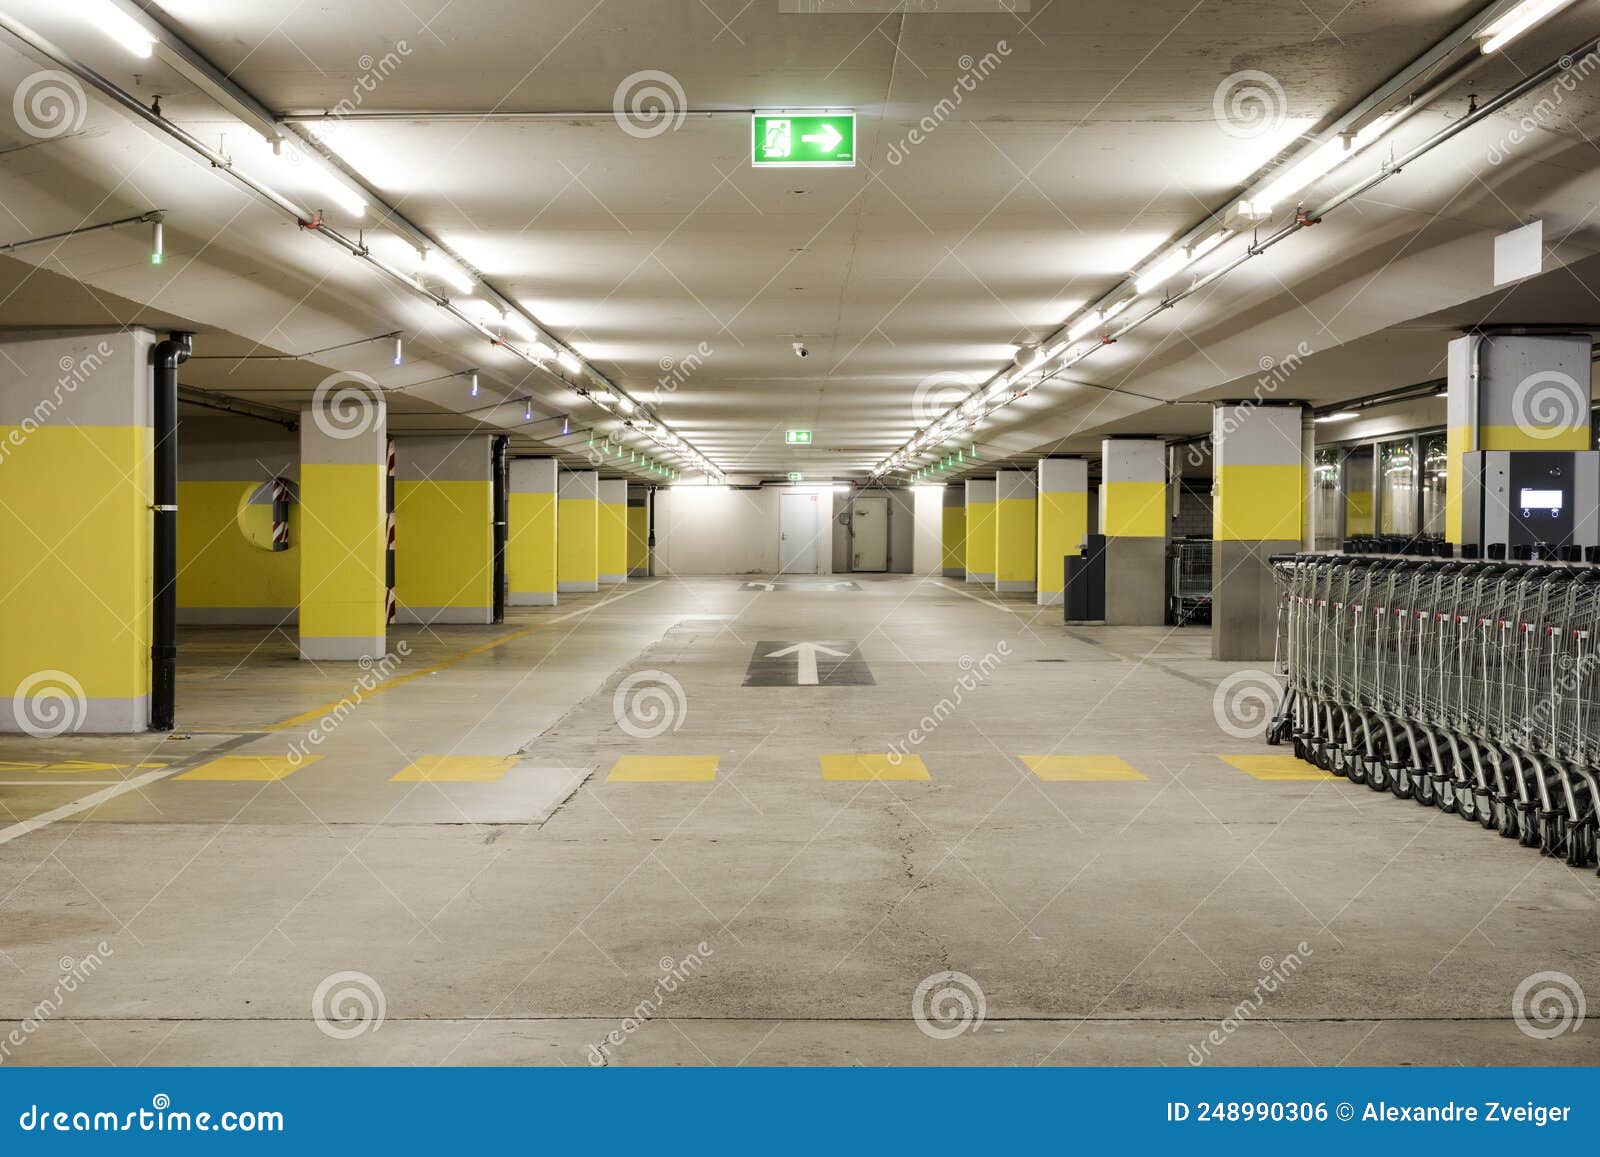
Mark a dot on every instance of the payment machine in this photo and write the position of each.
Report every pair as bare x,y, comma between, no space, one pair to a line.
1531,503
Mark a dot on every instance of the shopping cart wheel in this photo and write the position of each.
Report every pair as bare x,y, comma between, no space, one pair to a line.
1581,848
1300,751
1529,834
1377,774
1322,755
1467,804
1348,764
1485,811
1553,833
1424,790
1403,785
1444,793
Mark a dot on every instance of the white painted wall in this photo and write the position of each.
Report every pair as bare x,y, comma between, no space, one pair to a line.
928,533
711,530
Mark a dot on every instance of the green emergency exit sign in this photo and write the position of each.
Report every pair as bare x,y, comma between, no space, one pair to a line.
802,139
796,476
797,437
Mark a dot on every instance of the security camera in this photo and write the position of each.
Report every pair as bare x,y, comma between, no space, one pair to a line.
800,350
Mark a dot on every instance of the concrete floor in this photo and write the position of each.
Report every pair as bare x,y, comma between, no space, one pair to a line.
522,919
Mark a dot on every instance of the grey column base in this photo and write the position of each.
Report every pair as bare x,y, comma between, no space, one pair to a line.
104,716
531,599
955,572
1016,587
975,576
1244,599
427,616
639,572
1050,598
342,648
1136,582
238,616
577,588
614,579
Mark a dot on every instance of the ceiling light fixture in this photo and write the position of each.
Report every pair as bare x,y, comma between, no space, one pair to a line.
326,182
474,391
1177,260
119,26
1322,161
438,265
1514,23
569,361
1339,416
399,349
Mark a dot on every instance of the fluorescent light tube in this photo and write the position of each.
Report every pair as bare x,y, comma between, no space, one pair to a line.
1514,23
1340,416
447,271
119,26
569,361
1177,260
1321,162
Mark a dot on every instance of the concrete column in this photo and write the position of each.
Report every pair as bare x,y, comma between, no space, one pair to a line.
531,536
1133,517
927,536
980,540
1259,486
1016,526
953,532
444,530
578,531
344,537
638,530
1513,393
1063,521
613,517
76,480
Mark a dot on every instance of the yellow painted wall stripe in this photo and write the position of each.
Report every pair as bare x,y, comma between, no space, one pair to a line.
578,540
1063,525
1016,556
980,537
1135,509
343,550
444,544
75,557
954,538
638,539
613,543
1258,503
217,565
531,543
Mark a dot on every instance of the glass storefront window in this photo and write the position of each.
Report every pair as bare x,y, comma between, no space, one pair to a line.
1327,517
1435,460
1397,488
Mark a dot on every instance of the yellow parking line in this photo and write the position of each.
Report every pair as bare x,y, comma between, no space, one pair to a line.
1081,768
456,769
664,769
1276,768
249,768
873,766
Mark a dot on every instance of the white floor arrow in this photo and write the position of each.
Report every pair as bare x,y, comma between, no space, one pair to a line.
806,657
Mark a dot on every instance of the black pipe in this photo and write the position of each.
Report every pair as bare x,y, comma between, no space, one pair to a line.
500,485
167,356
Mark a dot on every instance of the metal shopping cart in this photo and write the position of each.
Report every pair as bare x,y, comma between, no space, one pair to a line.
1189,582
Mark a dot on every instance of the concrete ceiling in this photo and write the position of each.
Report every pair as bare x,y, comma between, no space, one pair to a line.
685,276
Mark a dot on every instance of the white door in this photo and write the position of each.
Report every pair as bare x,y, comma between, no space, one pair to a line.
797,533
869,534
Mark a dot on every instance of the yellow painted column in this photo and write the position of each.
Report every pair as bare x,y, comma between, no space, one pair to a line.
638,531
76,481
1063,521
1510,392
344,538
1258,506
531,535
444,530
1016,527
980,540
613,515
953,532
578,532
1133,517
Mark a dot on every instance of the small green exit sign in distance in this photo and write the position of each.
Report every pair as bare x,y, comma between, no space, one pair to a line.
797,437
802,139
795,476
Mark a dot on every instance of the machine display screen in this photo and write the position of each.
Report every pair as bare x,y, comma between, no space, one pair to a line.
1551,500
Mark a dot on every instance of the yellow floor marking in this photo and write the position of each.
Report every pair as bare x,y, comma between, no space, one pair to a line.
248,768
874,767
1281,768
456,769
70,766
664,769
389,684
1081,768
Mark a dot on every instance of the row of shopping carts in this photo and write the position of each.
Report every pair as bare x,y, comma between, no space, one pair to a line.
1470,686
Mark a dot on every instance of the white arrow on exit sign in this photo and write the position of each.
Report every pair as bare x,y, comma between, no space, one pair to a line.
827,138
